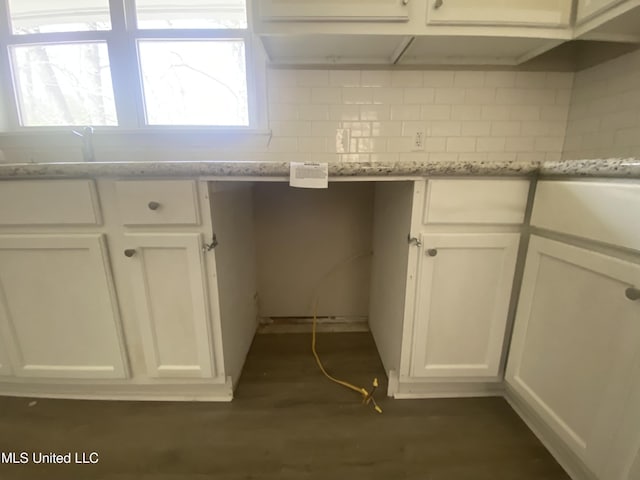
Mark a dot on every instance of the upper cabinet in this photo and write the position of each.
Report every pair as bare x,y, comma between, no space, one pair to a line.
538,13
335,10
590,8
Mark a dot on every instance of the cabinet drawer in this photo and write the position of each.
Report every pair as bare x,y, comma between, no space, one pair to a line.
49,202
158,202
476,201
535,13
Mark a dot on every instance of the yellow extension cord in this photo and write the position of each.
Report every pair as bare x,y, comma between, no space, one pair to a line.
366,396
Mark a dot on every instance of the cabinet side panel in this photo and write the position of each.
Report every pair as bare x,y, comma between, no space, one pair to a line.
232,219
392,222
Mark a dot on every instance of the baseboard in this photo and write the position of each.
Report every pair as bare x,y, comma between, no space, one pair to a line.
212,392
568,460
416,390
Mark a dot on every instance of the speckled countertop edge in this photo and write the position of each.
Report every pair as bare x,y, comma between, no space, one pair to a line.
619,168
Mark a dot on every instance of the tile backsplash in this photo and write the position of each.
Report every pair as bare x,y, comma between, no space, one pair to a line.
604,118
466,115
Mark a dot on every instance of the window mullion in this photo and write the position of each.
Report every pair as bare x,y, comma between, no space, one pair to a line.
124,65
8,108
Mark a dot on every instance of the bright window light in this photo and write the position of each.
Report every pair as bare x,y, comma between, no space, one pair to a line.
65,84
194,82
45,16
159,14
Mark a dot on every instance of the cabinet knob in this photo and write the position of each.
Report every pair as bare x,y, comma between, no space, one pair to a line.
129,252
437,4
632,293
154,205
432,252
405,2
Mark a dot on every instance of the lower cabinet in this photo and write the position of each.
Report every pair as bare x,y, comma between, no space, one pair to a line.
575,354
59,315
462,302
169,286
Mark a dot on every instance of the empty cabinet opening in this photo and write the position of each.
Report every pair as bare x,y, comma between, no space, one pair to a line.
281,249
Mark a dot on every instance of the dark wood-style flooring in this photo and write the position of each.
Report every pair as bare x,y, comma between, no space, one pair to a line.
287,422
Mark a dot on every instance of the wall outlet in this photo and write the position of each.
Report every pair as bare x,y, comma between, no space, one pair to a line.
419,138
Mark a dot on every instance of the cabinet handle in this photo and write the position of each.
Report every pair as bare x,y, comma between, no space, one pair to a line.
632,293
432,252
129,252
437,4
154,205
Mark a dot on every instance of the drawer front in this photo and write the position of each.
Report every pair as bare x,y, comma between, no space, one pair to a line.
605,211
162,202
451,201
48,202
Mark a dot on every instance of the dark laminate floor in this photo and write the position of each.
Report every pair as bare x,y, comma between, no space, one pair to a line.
287,422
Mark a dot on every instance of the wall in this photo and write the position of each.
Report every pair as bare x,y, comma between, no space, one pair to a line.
306,241
604,117
469,116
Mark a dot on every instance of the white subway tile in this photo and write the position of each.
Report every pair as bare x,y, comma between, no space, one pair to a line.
468,79
554,113
449,96
491,144
436,112
313,112
283,144
409,129
291,129
357,95
530,156
480,96
466,112
375,112
344,78
419,96
461,144
387,95
326,95
476,129
355,158
344,112
283,111
473,157
623,119
519,144
563,97
324,129
553,156
531,79
386,129
290,95
399,144
384,157
445,129
375,78
500,79
372,145
312,144
548,144
415,157
407,79
444,157
435,144
495,112
627,137
358,129
505,129
405,112
324,157
435,78
312,78
281,78
559,80
524,112
502,156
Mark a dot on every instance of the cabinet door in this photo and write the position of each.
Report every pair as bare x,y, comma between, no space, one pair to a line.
58,311
169,286
576,345
463,295
541,13
334,10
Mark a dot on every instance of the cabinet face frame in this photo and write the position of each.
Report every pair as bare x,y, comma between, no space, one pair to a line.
192,244
508,243
95,245
593,451
332,10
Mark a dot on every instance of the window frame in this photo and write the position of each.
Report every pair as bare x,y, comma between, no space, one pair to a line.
122,41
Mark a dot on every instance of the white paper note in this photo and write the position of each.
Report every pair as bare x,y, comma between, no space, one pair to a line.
309,175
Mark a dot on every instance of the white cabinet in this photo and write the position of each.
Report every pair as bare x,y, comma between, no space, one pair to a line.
463,294
588,9
574,355
539,13
169,286
334,10
59,315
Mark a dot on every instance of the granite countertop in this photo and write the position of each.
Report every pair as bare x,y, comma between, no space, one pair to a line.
613,168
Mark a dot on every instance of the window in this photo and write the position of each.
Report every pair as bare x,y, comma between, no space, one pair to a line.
128,63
